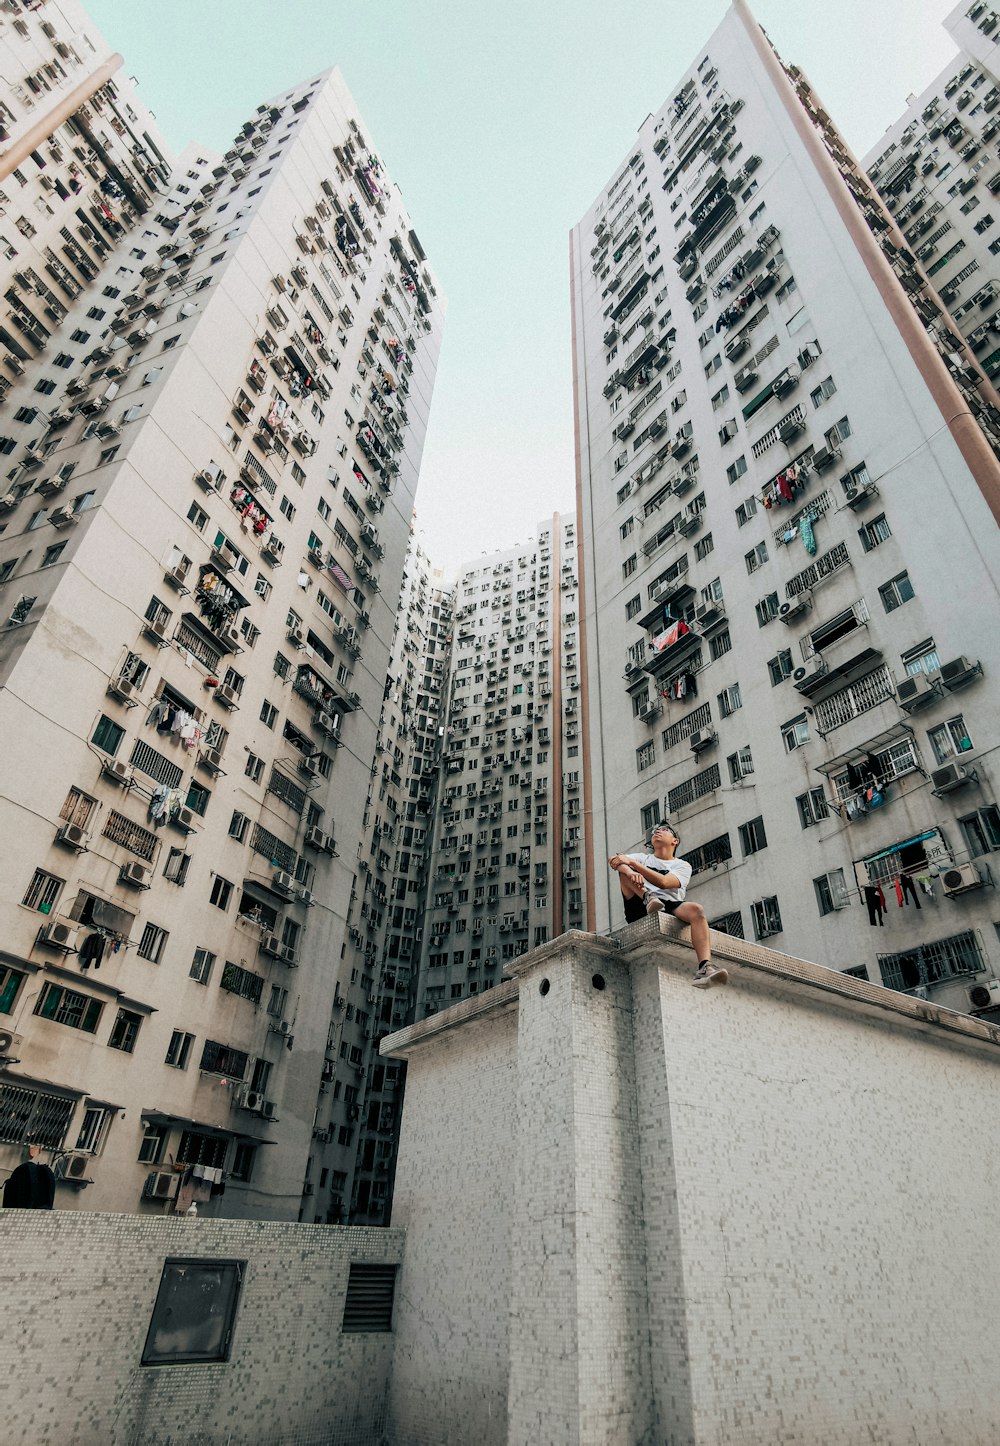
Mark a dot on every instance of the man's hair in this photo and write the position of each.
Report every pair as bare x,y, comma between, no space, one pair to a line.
665,828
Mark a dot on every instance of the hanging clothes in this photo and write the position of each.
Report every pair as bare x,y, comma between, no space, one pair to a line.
875,901
908,890
91,952
898,886
808,536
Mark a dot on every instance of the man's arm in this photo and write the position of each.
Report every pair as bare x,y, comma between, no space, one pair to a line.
658,880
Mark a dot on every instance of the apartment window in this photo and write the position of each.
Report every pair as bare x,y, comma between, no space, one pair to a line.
221,892
633,606
650,817
950,739
53,554
703,547
795,732
874,533
154,1139
729,700
107,735
179,1049
177,865
780,667
752,837
740,764
94,1128
745,511
43,891
838,433
767,609
629,566
923,658
125,1031
268,714
823,392
812,807
736,469
626,528
756,557
645,756
720,644
981,830
766,918
897,591
66,1006
152,943
201,966
720,399
831,891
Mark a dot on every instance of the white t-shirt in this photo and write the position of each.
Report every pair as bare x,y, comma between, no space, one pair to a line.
680,868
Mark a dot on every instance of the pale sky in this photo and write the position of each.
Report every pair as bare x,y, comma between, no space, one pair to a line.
500,124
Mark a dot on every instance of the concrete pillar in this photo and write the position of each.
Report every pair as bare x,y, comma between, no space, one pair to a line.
579,1332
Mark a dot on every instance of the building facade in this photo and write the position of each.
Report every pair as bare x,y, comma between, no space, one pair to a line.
787,458
202,552
505,870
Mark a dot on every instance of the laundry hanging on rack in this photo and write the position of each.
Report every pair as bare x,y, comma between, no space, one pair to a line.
807,535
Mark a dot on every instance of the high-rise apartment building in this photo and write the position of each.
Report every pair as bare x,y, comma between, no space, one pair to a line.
212,465
788,498
360,1097
938,172
505,867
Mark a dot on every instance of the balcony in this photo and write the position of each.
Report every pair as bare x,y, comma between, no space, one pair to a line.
867,692
887,757
671,647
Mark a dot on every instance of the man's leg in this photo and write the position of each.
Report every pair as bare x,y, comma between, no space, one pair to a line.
694,916
632,887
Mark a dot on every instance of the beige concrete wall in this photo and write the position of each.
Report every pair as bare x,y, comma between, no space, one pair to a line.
78,1290
764,1176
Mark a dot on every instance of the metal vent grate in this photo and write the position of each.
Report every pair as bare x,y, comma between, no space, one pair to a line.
370,1293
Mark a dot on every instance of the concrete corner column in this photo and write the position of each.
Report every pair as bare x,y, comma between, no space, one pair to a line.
579,1334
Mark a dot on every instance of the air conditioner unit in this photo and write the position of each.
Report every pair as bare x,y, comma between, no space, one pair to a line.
10,1043
788,612
309,765
961,880
290,956
745,377
136,875
951,777
271,945
123,690
791,428
251,1100
305,896
283,1026
704,738
72,1166
297,637
710,612
315,839
157,628
815,668
915,692
823,457
184,819
227,696
73,836
211,758
327,723
984,996
116,769
283,882
58,935
232,638
958,672
161,1185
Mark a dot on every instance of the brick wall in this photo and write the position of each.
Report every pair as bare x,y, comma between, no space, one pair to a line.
77,1292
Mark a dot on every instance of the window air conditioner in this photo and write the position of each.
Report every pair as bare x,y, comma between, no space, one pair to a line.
136,875
72,1166
184,819
309,765
305,896
123,690
315,839
58,934
951,777
985,995
117,770
73,836
160,1185
283,882
271,945
227,696
211,758
823,457
958,672
961,880
915,692
704,738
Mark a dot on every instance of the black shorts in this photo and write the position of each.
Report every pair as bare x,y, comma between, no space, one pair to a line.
670,906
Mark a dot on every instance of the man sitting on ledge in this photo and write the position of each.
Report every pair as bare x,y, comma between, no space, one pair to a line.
648,887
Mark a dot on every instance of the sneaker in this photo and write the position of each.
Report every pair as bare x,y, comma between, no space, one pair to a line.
654,905
707,975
